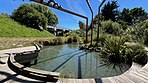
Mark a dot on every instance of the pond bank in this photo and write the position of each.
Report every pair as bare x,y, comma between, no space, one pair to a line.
7,43
138,76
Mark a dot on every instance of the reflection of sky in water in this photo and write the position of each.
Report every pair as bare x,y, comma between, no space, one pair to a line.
67,59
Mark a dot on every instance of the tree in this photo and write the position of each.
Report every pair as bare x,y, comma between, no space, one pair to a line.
5,14
110,11
28,16
82,25
52,18
126,16
132,16
138,14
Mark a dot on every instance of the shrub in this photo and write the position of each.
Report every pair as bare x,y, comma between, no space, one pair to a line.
114,49
71,39
111,27
145,26
28,16
138,32
138,54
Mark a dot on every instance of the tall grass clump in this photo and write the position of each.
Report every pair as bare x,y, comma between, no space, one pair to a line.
138,54
116,51
54,41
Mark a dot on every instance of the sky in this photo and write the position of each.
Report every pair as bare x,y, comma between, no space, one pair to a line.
80,6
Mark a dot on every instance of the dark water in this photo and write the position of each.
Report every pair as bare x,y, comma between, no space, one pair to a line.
73,63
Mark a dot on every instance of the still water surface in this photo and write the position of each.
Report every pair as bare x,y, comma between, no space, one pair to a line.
74,63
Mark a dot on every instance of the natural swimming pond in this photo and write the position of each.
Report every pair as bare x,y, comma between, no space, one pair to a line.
74,63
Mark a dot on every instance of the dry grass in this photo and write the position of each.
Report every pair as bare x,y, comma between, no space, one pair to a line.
6,43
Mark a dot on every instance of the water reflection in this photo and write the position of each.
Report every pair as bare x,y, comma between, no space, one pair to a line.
79,65
74,63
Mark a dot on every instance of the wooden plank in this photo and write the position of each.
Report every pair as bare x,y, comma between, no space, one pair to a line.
79,81
141,75
135,79
143,72
122,79
108,80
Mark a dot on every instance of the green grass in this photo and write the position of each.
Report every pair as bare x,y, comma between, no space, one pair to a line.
11,28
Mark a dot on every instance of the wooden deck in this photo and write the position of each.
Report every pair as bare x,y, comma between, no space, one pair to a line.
136,74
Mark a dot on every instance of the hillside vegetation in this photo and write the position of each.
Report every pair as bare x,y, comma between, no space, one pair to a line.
10,28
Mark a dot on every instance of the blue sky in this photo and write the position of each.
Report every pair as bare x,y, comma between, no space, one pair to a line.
80,6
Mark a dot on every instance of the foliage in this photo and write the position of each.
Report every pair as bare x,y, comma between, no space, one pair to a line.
75,36
111,27
10,28
114,49
109,11
138,13
59,40
132,16
82,25
146,39
123,24
79,33
53,41
125,17
35,15
72,39
27,15
49,14
137,32
138,54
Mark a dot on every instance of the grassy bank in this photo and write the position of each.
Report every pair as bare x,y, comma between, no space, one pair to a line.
10,28
7,42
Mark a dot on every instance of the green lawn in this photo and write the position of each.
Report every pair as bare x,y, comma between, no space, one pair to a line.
11,28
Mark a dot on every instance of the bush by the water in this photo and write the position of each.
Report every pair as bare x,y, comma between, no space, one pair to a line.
113,49
74,36
54,41
138,54
59,40
116,51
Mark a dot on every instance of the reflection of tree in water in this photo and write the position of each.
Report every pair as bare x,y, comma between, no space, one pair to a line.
50,52
46,55
74,45
118,67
